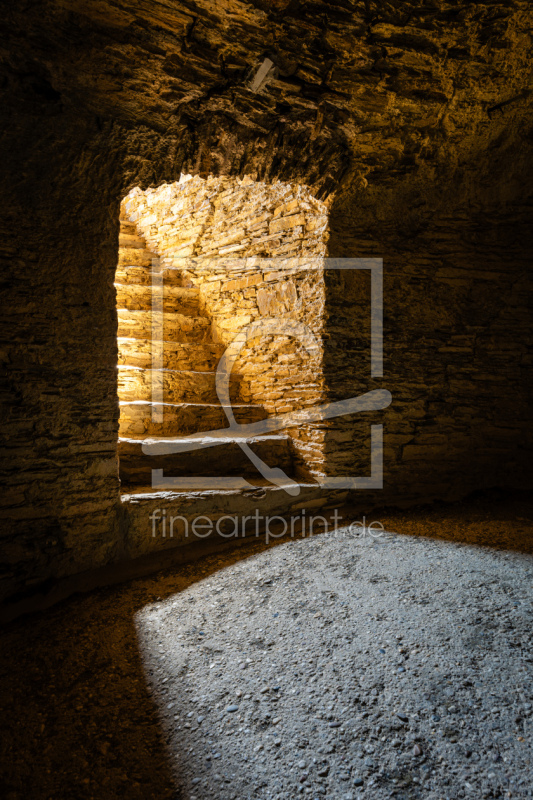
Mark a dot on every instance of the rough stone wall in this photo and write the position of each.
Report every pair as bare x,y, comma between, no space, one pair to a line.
59,499
360,89
256,251
458,336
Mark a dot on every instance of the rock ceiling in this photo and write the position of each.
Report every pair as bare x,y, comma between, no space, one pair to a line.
354,90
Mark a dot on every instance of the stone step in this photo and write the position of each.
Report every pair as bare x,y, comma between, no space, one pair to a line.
201,357
190,501
131,240
128,227
135,257
180,419
176,327
142,274
175,298
225,458
135,383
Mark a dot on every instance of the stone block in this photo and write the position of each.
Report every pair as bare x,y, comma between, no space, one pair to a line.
284,223
242,283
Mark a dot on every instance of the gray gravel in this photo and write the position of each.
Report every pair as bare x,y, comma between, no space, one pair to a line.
337,667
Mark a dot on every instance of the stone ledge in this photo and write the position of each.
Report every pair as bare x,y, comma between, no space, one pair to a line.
135,562
267,500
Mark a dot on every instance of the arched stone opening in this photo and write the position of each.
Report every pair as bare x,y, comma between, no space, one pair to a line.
231,253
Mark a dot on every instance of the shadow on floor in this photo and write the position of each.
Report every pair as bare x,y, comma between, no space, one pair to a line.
78,720
493,518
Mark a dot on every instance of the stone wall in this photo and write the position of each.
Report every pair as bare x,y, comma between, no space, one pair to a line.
458,335
59,507
256,252
456,295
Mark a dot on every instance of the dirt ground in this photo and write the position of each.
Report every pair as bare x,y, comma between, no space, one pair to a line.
336,666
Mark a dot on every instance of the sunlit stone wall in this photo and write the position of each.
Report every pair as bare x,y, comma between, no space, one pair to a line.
256,251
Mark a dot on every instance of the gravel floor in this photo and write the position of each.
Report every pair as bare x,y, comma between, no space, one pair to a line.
333,667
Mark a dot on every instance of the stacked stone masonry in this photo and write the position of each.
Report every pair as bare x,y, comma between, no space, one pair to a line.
458,336
185,382
252,252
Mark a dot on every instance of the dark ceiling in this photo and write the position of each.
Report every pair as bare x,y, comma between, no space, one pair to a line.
358,91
